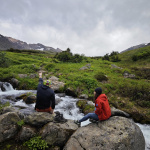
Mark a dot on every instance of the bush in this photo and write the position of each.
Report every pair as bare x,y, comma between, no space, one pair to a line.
4,61
101,76
36,143
141,55
49,66
67,56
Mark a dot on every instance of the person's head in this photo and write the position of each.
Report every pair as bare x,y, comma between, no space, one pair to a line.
97,92
47,82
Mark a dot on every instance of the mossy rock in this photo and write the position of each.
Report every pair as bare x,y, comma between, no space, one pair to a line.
88,109
81,103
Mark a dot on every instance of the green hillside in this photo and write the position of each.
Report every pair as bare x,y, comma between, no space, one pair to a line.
129,94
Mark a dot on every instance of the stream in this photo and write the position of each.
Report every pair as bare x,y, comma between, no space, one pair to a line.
67,106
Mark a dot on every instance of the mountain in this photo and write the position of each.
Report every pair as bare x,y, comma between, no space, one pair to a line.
136,47
9,42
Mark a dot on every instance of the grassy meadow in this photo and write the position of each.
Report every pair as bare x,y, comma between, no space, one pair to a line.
130,95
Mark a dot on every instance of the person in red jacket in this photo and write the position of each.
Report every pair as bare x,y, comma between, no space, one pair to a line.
102,108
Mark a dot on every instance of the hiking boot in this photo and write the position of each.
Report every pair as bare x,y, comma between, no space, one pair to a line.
59,119
57,113
93,120
77,122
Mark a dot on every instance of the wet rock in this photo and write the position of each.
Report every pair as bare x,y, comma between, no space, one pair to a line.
30,99
83,96
70,92
61,94
14,82
11,97
39,119
4,86
117,112
57,101
57,134
8,125
115,133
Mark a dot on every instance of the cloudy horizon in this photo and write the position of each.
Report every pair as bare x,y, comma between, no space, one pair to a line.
91,27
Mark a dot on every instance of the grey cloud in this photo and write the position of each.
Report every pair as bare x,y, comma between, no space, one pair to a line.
92,25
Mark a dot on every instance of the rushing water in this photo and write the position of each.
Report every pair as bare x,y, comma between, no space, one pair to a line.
67,107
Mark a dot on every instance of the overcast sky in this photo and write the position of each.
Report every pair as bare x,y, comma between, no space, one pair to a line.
89,27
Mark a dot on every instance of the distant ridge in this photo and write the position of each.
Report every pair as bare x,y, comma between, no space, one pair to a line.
136,47
9,42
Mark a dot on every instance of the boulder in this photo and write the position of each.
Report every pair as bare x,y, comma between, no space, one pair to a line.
30,99
70,92
39,119
11,109
117,112
56,84
32,76
8,125
5,86
87,66
115,133
26,133
126,74
57,134
22,75
14,82
115,66
83,96
57,101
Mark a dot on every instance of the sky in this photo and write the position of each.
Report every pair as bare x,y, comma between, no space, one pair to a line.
89,27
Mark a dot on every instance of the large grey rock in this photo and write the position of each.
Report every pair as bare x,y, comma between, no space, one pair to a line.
116,133
118,112
56,84
11,109
57,134
39,119
87,66
14,82
26,133
8,125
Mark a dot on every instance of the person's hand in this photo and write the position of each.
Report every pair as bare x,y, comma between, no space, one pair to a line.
52,111
40,74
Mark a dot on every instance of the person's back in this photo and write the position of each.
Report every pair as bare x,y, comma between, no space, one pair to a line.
45,97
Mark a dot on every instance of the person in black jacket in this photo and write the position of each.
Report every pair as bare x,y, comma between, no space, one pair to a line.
45,96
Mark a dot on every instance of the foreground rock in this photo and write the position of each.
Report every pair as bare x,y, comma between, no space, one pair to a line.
57,134
115,133
8,125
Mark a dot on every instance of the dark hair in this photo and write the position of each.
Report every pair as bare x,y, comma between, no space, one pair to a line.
98,92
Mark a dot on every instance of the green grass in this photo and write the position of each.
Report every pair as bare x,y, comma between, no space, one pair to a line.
133,92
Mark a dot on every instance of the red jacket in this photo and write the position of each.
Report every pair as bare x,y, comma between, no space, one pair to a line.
102,107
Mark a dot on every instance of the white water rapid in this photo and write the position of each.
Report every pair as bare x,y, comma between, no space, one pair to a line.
68,108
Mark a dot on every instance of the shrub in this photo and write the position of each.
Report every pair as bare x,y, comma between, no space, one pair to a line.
36,143
106,57
49,66
100,76
4,61
141,55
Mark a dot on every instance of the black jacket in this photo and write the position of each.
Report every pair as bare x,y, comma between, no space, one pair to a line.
45,96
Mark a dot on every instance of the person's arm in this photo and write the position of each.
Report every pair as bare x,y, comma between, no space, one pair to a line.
53,103
40,78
